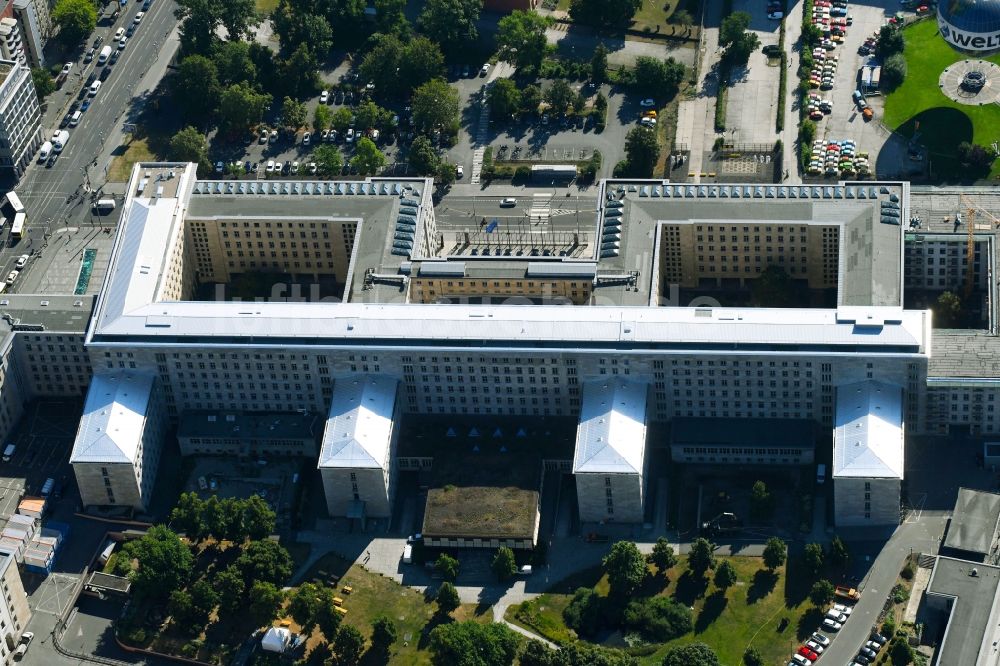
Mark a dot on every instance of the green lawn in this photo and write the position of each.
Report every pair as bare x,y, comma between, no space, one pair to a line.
136,150
266,7
943,123
759,610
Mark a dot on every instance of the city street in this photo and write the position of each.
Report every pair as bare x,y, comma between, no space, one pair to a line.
56,197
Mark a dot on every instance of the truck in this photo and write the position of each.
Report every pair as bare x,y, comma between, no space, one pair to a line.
59,140
104,55
845,592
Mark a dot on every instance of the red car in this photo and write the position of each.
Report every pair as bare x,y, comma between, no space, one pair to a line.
808,654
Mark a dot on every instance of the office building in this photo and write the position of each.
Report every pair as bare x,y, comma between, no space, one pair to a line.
20,117
36,26
14,610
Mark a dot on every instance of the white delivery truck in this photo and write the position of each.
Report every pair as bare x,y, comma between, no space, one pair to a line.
59,140
44,153
104,55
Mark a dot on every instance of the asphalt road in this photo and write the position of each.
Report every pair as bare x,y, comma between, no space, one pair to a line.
466,210
46,192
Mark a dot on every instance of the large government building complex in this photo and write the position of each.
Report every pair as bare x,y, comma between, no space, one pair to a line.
533,315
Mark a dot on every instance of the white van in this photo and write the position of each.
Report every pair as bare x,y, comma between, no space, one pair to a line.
407,554
44,153
74,120
104,55
94,87
8,452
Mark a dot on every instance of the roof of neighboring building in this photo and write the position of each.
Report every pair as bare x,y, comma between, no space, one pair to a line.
868,431
611,436
795,433
969,354
360,424
974,522
483,512
114,415
972,627
247,425
63,314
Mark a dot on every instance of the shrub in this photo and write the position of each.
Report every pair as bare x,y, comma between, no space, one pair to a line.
893,71
585,613
907,572
522,173
659,619
899,594
621,168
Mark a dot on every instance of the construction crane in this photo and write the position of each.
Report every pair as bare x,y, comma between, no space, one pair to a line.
970,246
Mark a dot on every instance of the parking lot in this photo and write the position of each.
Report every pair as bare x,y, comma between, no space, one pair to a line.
752,100
44,440
845,122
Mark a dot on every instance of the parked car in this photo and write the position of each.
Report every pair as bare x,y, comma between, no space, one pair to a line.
307,138
808,654
831,624
820,638
22,648
814,646
647,103
484,70
459,172
89,56
270,166
324,97
11,277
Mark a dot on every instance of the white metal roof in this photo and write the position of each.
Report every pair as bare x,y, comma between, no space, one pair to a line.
611,435
113,418
868,435
359,427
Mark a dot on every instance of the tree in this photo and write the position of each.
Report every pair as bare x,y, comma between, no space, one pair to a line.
821,593
300,73
322,117
695,654
504,565
761,501
656,78
642,149
234,64
975,160
390,18
265,600
701,557
370,115
446,566
435,106
75,19
473,644
890,41
230,586
775,553
45,85
295,25
368,159
181,609
199,21
521,39
813,558
266,561
559,96
752,657
947,310
188,145
241,106
585,612
327,617
196,89
233,509
213,517
725,575
603,14
348,646
893,71
381,65
838,553
738,42
900,651
342,119
626,568
165,562
423,158
663,555
304,605
328,160
238,16
447,598
384,632
451,23
504,98
774,288
204,599
293,114
531,97
421,61
599,64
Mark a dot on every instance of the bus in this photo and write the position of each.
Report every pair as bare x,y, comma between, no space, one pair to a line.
13,202
17,229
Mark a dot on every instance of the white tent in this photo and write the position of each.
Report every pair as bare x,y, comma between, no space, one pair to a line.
276,639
